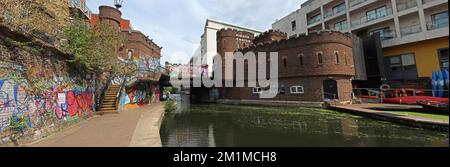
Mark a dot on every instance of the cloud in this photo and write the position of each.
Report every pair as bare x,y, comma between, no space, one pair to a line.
177,25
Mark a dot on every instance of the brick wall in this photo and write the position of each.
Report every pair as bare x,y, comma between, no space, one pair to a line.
298,63
40,90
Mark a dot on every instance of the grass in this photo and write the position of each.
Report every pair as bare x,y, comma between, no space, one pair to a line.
424,115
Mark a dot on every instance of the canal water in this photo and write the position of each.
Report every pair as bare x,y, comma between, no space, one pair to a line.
256,126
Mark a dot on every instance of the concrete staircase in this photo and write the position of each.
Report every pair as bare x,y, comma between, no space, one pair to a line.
109,103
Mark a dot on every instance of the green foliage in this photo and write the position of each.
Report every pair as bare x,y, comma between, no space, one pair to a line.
18,126
95,48
170,105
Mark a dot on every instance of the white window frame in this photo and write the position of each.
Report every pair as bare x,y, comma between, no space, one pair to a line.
296,87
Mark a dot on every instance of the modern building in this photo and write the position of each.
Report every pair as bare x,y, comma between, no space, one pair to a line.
412,34
208,44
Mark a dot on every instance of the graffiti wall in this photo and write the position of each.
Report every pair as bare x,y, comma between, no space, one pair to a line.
39,95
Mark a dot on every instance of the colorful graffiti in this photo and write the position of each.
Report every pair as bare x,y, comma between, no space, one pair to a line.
51,101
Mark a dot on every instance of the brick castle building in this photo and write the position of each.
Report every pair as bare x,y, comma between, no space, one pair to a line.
312,68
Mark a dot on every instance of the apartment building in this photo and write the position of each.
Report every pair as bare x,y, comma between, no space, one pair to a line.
413,33
208,44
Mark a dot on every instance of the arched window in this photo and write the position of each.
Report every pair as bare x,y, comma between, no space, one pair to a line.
320,57
336,56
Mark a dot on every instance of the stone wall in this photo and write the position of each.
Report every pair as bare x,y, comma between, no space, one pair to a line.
40,91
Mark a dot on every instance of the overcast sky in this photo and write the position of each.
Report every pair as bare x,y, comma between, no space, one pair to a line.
177,25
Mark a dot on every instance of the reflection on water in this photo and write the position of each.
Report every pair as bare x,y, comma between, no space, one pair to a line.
251,126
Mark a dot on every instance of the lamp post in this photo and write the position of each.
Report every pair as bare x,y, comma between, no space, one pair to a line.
118,3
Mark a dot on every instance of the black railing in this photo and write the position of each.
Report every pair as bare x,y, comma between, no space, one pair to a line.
100,97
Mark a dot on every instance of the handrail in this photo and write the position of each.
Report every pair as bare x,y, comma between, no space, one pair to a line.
103,93
119,93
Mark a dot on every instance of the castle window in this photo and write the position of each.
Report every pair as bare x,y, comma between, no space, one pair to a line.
256,90
300,59
336,56
297,90
345,58
224,43
285,62
320,57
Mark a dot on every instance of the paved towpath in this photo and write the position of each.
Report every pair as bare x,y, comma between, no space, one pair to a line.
132,128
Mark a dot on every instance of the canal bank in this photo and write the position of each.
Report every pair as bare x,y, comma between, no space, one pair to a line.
138,127
367,110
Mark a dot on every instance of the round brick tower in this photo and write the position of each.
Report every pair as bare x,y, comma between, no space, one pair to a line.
111,15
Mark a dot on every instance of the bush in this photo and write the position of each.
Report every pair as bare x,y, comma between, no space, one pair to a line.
170,106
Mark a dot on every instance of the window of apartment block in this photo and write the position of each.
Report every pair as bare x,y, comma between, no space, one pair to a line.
257,90
376,13
294,25
297,90
340,26
339,8
439,20
336,57
320,58
443,58
401,62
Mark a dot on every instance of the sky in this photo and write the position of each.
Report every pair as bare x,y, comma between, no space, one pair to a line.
177,25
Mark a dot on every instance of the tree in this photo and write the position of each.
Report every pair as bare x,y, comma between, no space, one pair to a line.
95,48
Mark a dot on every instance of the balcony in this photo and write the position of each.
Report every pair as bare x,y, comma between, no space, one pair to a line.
408,30
343,27
427,1
387,35
372,17
441,23
81,5
356,2
313,20
406,5
332,13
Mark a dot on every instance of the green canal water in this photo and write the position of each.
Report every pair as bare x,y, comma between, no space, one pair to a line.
256,126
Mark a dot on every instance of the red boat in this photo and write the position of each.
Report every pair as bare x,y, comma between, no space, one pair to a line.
434,106
413,100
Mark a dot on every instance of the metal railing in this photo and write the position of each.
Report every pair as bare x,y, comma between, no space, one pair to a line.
406,5
81,5
411,30
372,17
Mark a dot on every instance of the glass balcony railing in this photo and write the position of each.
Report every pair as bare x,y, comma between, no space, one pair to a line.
406,5
387,34
427,1
332,13
313,20
408,30
441,23
342,27
356,2
380,13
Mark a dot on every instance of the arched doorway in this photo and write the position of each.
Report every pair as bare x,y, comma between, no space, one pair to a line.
330,89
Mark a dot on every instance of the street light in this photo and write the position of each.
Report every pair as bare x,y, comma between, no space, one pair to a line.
118,3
